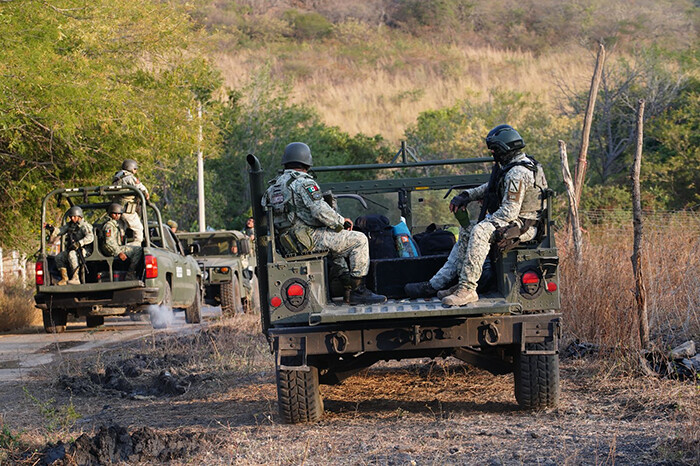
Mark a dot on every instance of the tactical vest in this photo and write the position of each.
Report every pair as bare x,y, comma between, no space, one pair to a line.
534,201
280,200
117,179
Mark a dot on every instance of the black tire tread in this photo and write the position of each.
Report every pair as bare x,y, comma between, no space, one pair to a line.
55,320
299,396
193,314
230,298
537,378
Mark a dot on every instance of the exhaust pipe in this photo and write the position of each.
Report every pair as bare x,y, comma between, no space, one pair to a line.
262,240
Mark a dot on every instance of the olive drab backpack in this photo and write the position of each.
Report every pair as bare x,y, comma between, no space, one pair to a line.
280,200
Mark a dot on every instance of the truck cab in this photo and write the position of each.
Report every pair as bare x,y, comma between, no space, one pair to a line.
318,339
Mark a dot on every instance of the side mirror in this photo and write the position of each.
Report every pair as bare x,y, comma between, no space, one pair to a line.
193,249
244,246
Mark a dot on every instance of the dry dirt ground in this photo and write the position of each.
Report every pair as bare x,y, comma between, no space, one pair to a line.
210,398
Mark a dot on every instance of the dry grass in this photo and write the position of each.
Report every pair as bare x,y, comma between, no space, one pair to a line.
17,309
387,95
598,300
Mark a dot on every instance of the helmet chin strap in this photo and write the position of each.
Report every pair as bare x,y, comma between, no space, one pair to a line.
504,158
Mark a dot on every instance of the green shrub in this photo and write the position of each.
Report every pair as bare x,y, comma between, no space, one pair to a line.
307,26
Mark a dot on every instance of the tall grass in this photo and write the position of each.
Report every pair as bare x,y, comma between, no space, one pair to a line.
386,95
598,300
17,307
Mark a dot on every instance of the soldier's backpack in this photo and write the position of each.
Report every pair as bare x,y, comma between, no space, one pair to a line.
380,235
435,241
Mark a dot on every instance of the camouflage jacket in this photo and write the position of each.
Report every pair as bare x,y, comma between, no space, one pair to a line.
81,231
520,190
296,198
126,178
113,232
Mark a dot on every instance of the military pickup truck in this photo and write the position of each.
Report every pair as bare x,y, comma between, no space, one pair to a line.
166,278
224,257
317,339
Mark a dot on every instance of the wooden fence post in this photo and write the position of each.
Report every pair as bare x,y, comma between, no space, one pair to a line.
637,264
587,120
573,203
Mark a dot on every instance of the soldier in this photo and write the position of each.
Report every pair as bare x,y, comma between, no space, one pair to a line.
514,198
79,236
127,177
173,225
305,222
113,233
250,228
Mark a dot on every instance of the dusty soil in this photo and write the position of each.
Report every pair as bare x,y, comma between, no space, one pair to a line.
211,398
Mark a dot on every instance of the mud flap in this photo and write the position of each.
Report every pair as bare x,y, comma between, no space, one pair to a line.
290,353
535,332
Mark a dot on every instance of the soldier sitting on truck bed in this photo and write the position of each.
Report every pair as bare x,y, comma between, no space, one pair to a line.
78,236
113,236
514,198
127,177
304,222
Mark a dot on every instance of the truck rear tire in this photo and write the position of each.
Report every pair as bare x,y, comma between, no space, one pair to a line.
55,320
193,314
231,298
298,396
537,378
94,321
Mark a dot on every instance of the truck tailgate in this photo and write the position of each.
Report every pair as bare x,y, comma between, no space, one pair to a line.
410,308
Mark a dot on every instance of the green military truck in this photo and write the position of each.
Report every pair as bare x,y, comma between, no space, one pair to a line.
317,339
166,278
229,279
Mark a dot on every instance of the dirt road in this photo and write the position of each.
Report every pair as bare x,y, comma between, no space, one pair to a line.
209,397
21,354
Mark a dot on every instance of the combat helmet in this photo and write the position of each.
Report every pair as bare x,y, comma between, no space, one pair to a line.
505,142
75,211
297,152
115,208
130,165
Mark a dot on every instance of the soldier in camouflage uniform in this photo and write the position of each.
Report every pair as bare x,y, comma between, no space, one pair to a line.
519,188
305,222
127,177
113,233
80,235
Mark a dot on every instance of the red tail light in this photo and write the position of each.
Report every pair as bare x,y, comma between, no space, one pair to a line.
39,272
151,266
295,290
551,287
276,301
530,278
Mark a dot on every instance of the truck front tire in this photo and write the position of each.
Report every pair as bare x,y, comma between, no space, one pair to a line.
231,298
298,396
537,378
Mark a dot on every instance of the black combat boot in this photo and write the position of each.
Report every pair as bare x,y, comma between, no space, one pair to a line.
419,290
357,293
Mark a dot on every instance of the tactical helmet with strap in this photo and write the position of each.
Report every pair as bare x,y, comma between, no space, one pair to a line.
130,165
505,142
297,152
115,208
75,211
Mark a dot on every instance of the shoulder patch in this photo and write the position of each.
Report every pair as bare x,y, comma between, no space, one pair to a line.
314,191
108,233
514,190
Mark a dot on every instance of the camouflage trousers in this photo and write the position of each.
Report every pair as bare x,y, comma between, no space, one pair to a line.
134,222
454,263
478,248
68,260
349,249
134,255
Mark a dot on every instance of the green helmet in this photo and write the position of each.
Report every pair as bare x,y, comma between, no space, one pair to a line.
504,141
130,165
115,208
297,152
75,211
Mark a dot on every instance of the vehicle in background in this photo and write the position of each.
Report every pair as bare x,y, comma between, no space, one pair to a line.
167,277
225,258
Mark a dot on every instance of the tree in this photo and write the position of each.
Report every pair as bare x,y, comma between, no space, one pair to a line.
83,87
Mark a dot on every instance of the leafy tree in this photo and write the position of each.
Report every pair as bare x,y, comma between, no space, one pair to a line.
85,85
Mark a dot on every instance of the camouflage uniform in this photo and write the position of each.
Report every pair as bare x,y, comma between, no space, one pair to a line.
454,263
114,236
298,206
82,231
130,215
520,191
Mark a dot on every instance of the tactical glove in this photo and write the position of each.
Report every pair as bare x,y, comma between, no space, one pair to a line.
75,246
459,201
